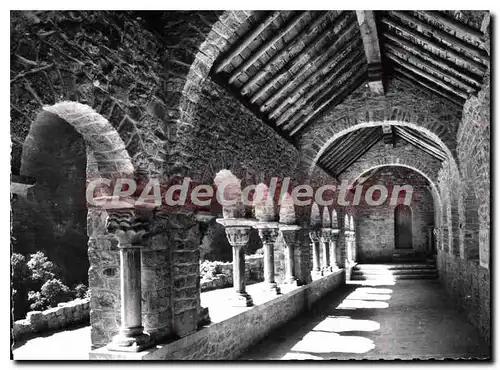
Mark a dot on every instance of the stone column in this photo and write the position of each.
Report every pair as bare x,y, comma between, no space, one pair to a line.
333,249
238,232
268,232
314,235
290,234
325,242
130,230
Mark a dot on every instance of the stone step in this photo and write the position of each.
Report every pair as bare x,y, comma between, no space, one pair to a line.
397,277
399,266
395,272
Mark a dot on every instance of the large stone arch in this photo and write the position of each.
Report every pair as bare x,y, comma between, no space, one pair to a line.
192,70
316,144
408,163
106,146
60,195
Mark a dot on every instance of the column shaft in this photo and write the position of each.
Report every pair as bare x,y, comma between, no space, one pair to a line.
131,301
290,263
239,270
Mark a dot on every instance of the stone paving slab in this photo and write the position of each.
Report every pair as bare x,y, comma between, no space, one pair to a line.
367,320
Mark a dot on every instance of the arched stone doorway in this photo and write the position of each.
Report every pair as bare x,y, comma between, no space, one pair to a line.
403,230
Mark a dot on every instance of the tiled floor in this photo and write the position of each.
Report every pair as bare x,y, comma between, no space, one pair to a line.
366,320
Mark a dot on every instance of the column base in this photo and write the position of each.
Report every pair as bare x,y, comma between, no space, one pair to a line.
273,288
122,343
241,300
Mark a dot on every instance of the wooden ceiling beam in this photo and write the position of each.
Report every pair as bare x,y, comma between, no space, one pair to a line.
327,66
293,43
420,139
420,145
419,71
456,25
416,49
412,143
246,41
368,29
265,47
333,77
359,154
449,38
301,57
439,46
334,99
363,137
428,85
417,61
339,145
335,46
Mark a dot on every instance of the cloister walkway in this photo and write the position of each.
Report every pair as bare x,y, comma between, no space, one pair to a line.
361,320
364,320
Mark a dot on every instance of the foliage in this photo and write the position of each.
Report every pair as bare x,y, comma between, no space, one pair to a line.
81,291
41,268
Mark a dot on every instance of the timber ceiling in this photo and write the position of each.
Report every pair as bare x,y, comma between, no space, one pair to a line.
289,66
347,149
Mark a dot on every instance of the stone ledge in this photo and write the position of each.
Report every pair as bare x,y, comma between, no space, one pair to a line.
66,314
228,339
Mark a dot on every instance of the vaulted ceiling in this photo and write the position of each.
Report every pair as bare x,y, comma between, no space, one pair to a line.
289,66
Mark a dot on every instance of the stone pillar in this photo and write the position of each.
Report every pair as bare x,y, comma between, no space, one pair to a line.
326,233
268,232
290,236
238,232
314,235
129,229
333,249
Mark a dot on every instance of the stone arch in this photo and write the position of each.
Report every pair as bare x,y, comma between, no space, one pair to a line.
335,221
58,128
206,46
287,210
326,219
436,196
315,145
316,219
103,141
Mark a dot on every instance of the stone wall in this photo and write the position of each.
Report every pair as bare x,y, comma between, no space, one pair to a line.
375,225
65,315
468,284
228,339
223,273
464,258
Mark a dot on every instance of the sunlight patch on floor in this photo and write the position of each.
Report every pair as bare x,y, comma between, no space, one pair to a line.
340,324
327,343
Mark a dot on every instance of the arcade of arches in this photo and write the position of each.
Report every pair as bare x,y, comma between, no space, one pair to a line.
370,98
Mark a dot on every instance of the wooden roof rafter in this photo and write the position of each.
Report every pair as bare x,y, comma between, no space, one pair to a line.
343,18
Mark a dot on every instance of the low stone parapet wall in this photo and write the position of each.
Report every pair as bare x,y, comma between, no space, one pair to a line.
229,339
65,315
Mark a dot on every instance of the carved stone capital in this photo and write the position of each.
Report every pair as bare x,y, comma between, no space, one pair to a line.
326,234
315,235
290,234
268,235
238,236
128,227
